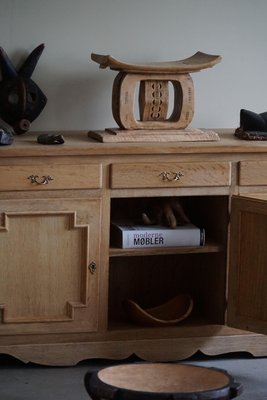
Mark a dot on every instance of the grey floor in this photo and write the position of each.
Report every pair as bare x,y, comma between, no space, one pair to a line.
32,382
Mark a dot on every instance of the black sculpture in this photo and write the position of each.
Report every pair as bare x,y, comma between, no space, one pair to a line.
253,126
21,100
46,138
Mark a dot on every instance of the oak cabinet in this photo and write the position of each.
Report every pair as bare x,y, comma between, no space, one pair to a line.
62,285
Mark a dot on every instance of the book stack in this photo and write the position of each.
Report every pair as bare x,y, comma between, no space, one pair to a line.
127,235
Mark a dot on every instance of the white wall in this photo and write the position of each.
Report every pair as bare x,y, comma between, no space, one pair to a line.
79,93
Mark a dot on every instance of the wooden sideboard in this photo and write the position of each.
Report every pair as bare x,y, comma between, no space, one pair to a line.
61,283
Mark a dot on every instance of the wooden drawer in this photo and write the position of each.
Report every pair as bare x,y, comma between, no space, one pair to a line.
252,173
41,177
188,174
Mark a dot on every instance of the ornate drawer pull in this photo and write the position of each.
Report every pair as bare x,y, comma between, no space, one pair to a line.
171,175
44,180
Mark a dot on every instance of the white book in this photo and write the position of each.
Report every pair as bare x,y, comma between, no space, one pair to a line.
126,235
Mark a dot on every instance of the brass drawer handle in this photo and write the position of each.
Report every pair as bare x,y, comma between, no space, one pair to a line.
44,180
171,175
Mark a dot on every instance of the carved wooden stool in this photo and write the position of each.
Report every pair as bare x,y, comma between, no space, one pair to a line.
160,382
154,80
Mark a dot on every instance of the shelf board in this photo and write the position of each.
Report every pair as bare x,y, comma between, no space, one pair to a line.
191,328
210,247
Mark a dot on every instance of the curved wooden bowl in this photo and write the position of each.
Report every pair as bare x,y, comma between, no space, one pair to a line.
169,313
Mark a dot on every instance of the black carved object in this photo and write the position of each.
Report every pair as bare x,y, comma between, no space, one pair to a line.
251,121
253,126
46,138
21,100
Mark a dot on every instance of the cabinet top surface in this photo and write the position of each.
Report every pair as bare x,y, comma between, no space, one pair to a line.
77,143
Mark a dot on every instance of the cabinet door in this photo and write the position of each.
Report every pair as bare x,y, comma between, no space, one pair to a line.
247,294
49,265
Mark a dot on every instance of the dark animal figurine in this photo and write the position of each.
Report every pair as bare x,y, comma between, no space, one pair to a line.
253,126
21,100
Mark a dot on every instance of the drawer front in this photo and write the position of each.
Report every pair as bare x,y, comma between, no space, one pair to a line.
252,173
49,177
188,174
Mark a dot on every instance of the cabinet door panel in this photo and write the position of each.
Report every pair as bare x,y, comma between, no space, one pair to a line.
247,305
46,247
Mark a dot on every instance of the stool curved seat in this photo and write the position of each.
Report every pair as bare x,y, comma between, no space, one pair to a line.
195,63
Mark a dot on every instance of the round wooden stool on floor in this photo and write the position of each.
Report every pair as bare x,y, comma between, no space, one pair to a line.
160,381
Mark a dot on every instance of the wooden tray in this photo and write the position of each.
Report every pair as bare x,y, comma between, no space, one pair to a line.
152,135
